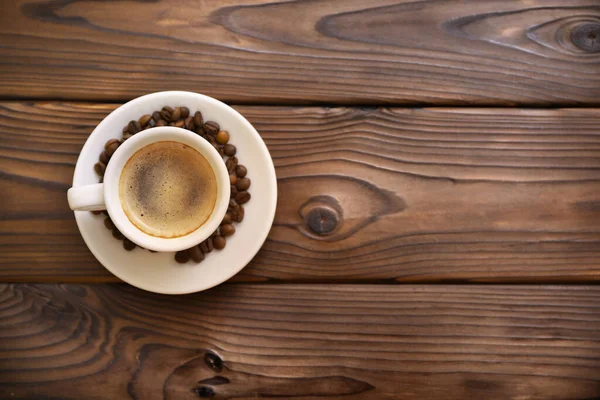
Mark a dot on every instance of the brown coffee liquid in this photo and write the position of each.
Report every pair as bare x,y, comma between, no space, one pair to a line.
168,189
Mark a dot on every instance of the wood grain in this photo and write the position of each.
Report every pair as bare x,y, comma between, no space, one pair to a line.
409,195
494,52
288,341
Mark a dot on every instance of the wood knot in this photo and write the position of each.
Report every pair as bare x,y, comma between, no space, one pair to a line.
213,361
587,37
322,220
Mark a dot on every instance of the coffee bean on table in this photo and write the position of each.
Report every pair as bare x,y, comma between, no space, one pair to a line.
100,168
128,244
243,184
198,120
145,119
223,137
104,158
196,254
182,256
241,171
211,127
229,149
219,242
242,197
227,230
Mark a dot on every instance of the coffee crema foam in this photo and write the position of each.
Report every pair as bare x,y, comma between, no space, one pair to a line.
168,189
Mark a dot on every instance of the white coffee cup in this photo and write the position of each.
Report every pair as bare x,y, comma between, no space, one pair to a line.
105,196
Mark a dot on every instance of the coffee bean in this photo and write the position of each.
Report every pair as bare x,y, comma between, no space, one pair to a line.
104,158
134,127
109,224
223,137
176,114
226,219
182,256
232,179
110,149
128,244
101,180
100,168
166,113
96,212
242,197
156,116
125,129
189,123
198,120
229,149
212,128
196,254
145,119
232,203
200,130
126,136
231,164
238,213
178,124
161,122
215,233
204,247
234,191
185,112
104,212
209,244
221,151
219,242
241,171
227,230
212,140
116,234
111,142
243,184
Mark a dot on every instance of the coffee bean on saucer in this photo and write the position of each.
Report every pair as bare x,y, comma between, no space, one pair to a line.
104,158
156,116
221,151
241,171
205,247
219,242
227,230
232,179
242,197
126,136
227,219
145,119
109,224
112,147
234,191
134,127
182,256
212,128
196,254
166,113
243,184
96,212
209,244
161,122
198,120
128,244
229,149
185,112
178,124
237,215
100,168
188,123
176,114
223,137
117,234
110,142
231,164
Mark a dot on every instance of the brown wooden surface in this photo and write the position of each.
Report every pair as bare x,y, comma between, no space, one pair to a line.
339,341
346,52
421,195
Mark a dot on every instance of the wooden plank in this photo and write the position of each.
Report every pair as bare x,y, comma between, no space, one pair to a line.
420,195
300,341
491,52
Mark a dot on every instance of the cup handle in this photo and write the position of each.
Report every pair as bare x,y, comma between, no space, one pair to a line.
87,198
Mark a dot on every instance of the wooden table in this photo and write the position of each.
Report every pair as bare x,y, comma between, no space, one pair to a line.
456,143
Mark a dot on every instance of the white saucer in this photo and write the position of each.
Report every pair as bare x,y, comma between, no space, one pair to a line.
158,272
